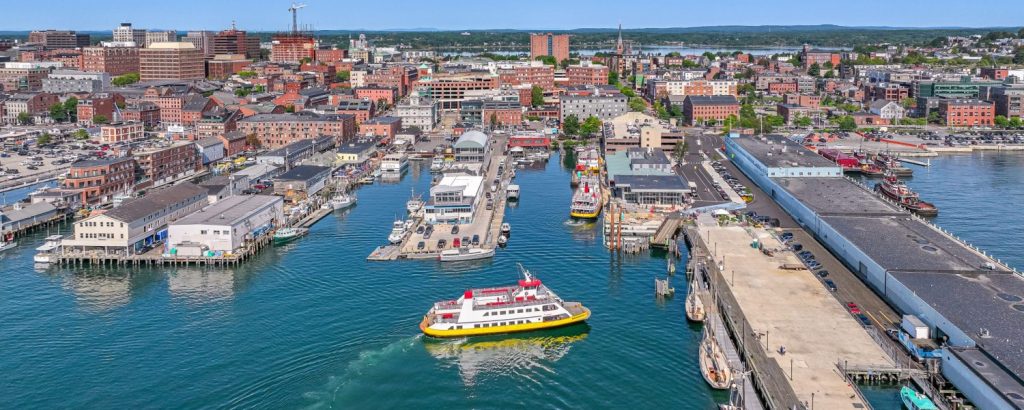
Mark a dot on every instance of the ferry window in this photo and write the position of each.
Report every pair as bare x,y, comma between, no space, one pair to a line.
458,327
485,313
519,311
476,326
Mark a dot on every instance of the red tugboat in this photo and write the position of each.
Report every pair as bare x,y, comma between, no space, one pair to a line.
898,191
891,164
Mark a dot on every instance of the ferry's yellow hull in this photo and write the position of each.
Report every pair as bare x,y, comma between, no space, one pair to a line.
526,327
585,215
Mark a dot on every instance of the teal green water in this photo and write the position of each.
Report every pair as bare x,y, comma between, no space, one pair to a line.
313,325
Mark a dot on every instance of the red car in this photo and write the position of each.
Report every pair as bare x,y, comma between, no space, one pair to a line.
854,309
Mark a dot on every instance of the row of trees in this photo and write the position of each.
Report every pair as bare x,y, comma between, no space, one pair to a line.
126,79
572,127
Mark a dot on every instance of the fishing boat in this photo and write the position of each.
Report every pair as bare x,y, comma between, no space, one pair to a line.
398,231
694,306
465,254
7,242
896,190
586,202
288,234
526,306
506,229
415,203
47,252
893,165
437,164
713,364
916,401
342,201
512,192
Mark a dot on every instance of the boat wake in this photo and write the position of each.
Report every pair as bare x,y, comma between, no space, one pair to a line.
366,371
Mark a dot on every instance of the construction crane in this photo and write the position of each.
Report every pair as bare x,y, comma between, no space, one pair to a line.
295,13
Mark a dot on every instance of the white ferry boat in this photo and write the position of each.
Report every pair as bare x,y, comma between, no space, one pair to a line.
394,164
415,203
47,252
527,306
465,254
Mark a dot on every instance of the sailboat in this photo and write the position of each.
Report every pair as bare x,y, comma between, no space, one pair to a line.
713,364
694,306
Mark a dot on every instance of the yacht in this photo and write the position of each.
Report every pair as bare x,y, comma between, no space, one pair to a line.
506,229
342,201
394,164
502,240
398,231
415,203
47,253
694,306
526,306
437,164
465,254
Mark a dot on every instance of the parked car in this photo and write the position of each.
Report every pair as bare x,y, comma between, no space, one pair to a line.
854,309
455,230
421,245
830,285
823,273
796,247
863,320
421,229
476,240
441,243
465,241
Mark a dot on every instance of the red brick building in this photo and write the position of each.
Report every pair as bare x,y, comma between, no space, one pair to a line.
98,104
377,93
554,45
278,130
361,109
993,73
234,143
121,132
803,100
967,113
145,112
535,74
113,60
292,48
97,181
505,114
594,74
788,87
330,56
170,100
159,166
222,66
381,127
236,42
706,108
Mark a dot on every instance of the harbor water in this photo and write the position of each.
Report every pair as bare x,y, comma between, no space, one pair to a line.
312,324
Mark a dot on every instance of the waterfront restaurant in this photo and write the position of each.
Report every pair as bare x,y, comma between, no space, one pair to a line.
453,199
471,147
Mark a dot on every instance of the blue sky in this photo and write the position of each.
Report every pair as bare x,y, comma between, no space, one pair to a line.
264,15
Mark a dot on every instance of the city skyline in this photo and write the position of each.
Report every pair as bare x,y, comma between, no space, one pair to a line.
322,15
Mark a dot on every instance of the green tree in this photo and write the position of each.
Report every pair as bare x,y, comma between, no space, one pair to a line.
1001,121
571,125
679,150
44,139
242,91
908,102
814,70
613,77
846,123
830,74
24,118
289,108
57,112
123,80
802,121
80,134
661,111
100,119
933,117
494,120
537,96
343,76
590,126
1015,122
547,60
637,104
253,141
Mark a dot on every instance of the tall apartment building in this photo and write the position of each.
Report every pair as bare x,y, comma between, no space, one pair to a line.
236,42
52,39
600,105
450,90
112,60
555,45
171,61
160,37
202,40
99,180
125,33
163,165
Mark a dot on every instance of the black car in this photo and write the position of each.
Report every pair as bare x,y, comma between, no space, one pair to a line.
823,273
830,285
441,243
455,229
796,247
421,229
421,245
863,319
476,240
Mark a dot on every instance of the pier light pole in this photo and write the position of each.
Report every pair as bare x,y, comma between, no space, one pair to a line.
791,369
812,400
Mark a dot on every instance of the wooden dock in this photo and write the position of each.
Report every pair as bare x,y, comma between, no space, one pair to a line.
155,258
667,232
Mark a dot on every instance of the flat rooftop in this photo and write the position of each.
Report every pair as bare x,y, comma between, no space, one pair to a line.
1007,384
776,151
652,182
229,211
837,196
991,301
907,244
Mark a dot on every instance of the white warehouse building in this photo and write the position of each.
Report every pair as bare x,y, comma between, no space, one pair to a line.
226,225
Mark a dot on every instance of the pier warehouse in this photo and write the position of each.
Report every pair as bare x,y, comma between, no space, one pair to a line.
968,300
136,223
453,199
226,225
301,182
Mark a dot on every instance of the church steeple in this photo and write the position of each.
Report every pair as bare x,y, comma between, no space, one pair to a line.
619,48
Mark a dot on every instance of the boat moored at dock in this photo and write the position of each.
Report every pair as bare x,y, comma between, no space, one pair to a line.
342,201
913,400
713,364
7,242
526,306
586,202
288,234
694,306
465,254
47,252
512,192
896,190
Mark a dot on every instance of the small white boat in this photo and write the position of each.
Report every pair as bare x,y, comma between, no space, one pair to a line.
455,255
342,201
437,164
398,231
47,252
288,234
7,242
502,240
415,203
506,229
512,192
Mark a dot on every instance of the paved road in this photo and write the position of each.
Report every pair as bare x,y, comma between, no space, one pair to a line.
849,287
